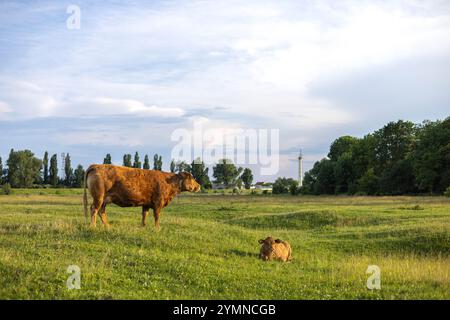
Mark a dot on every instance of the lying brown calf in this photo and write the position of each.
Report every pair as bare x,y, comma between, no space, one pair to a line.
130,187
275,250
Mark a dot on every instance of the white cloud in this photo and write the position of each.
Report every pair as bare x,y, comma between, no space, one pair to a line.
4,109
27,100
101,136
103,105
365,36
250,58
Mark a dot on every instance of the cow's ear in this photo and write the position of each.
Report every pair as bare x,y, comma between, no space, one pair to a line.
261,241
277,241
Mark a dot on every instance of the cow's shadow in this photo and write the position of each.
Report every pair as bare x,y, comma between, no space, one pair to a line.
242,253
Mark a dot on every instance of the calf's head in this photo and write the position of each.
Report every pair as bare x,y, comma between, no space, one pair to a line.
267,246
188,183
269,241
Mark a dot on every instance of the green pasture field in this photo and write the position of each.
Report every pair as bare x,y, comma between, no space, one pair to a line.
207,248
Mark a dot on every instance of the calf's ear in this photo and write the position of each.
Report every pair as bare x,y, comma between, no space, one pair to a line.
277,241
261,241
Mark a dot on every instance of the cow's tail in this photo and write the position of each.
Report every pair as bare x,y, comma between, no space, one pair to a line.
85,198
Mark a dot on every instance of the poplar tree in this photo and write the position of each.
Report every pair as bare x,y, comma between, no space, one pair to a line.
45,164
146,162
107,159
53,171
127,160
68,171
137,161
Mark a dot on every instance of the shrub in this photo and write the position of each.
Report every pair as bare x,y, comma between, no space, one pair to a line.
447,192
294,188
6,189
285,185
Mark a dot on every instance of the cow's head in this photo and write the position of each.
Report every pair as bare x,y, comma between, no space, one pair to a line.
188,183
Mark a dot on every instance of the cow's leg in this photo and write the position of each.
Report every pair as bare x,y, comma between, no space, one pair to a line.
156,214
95,207
93,216
102,213
144,215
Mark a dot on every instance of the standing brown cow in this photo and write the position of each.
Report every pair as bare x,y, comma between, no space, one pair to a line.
130,187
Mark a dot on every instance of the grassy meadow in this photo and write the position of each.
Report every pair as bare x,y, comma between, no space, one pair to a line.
207,248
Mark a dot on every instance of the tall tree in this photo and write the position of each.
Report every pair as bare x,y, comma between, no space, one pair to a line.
45,164
200,173
1,171
340,146
431,158
182,166
157,162
127,160
137,161
369,183
247,178
146,162
172,166
363,155
23,169
399,158
11,169
398,179
320,179
345,174
393,143
53,171
226,172
78,177
68,171
107,159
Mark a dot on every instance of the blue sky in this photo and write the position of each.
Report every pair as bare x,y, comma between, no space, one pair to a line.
136,71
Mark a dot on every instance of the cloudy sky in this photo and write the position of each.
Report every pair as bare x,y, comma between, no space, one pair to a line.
136,71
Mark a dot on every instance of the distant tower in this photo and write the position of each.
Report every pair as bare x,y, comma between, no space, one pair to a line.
300,168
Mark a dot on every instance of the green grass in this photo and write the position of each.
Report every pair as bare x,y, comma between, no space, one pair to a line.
207,248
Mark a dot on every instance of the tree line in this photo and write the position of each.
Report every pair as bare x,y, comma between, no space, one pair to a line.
224,172
24,170
400,158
